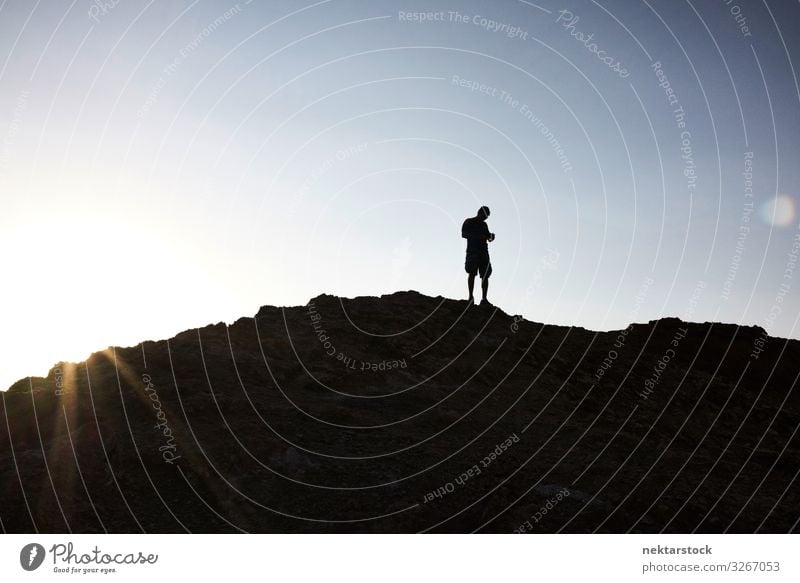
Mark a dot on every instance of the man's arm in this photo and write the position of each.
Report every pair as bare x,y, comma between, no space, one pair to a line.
479,232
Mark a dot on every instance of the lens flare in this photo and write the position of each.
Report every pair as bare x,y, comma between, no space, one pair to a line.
779,211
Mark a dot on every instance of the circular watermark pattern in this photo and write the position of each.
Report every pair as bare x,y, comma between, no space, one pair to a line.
316,180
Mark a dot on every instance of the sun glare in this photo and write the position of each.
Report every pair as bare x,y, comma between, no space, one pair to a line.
77,283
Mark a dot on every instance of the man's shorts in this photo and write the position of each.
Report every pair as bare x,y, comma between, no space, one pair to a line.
478,263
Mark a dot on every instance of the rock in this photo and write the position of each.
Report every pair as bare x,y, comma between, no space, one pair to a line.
397,413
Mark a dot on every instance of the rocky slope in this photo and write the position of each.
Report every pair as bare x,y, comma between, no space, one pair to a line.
408,413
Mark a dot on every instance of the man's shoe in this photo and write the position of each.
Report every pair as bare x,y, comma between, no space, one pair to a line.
485,302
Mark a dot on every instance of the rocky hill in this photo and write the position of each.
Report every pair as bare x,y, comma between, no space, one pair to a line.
408,413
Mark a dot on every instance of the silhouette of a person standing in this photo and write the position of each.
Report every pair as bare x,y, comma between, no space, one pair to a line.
476,232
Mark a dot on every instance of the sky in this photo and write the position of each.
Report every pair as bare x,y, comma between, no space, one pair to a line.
166,165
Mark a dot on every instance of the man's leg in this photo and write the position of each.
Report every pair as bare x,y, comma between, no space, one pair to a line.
471,286
486,271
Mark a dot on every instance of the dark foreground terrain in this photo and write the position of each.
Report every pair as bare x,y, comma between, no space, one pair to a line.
408,413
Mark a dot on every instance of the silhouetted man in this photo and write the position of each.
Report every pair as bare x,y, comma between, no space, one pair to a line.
476,232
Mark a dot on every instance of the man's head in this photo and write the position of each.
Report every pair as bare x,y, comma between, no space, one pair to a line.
483,213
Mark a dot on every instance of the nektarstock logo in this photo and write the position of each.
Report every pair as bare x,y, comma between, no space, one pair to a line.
31,556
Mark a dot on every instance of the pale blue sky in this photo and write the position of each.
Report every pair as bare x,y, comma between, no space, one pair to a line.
164,165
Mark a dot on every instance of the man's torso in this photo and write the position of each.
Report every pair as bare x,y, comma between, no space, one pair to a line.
476,231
